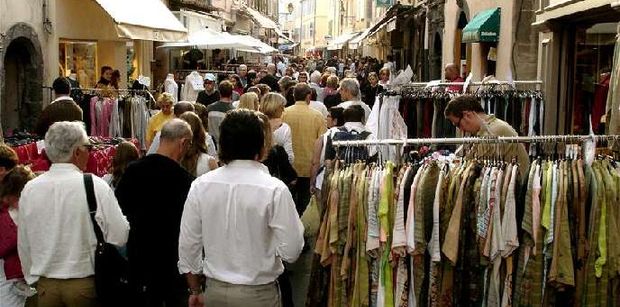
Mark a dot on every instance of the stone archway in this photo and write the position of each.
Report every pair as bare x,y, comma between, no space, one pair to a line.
21,78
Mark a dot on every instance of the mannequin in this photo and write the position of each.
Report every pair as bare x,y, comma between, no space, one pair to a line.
171,87
193,85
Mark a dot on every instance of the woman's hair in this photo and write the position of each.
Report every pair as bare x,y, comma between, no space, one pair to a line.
332,82
264,89
201,111
237,80
373,74
268,134
199,145
384,70
14,181
165,98
8,157
126,152
324,78
273,105
104,69
249,101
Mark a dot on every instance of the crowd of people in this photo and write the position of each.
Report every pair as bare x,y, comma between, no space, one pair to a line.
210,212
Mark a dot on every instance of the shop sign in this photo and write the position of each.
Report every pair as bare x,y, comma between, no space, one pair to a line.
384,2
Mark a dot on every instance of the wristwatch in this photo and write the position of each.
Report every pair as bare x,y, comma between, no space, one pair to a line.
197,291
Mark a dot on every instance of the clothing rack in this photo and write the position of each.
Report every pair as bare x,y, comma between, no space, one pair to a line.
475,83
483,140
121,91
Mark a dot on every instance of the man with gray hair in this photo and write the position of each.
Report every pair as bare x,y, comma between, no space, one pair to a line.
243,74
56,240
152,193
351,95
315,79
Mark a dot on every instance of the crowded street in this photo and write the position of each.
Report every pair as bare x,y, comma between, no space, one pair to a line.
309,153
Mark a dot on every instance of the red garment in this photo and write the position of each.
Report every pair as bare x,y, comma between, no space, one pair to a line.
239,90
456,88
8,246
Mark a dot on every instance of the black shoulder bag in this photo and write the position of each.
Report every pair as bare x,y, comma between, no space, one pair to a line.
111,269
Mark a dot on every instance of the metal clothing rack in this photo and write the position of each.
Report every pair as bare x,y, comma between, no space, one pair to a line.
483,140
475,83
121,91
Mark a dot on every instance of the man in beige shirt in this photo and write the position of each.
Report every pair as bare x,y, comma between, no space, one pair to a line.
306,125
466,113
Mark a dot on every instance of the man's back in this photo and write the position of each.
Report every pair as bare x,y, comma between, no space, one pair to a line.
152,193
56,237
306,125
60,110
216,113
248,222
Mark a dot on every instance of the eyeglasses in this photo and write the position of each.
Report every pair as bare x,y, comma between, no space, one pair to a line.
89,147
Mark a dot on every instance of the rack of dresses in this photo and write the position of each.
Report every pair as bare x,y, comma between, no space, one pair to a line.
421,105
123,113
438,231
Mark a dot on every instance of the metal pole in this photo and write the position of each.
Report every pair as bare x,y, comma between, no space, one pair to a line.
483,140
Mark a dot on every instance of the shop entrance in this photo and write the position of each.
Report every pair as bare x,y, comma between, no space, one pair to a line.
22,80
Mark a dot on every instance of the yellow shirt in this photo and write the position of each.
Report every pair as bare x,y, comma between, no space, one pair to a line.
306,125
155,124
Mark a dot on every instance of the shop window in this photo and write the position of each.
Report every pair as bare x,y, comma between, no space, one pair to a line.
488,52
594,51
462,51
79,58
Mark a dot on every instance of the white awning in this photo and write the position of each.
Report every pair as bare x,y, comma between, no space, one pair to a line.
262,20
355,42
338,42
211,39
259,46
147,20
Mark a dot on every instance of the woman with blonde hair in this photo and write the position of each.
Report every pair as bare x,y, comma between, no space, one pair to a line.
196,160
249,101
332,96
126,152
156,122
384,76
273,107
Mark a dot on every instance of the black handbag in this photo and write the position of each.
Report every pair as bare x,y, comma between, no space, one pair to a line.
111,269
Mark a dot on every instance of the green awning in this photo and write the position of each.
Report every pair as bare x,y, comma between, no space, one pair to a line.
483,28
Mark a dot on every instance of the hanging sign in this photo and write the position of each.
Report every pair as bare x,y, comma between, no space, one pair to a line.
384,2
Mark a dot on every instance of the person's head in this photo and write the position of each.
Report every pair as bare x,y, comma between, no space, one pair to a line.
182,107
302,92
165,102
290,96
384,74
243,70
235,80
303,77
116,77
332,70
242,137
126,152
263,73
353,114
271,69
61,86
464,113
253,77
13,183
324,78
451,71
289,71
285,83
209,82
255,90
106,73
198,145
313,94
8,159
264,89
349,89
67,142
373,78
335,117
201,111
268,133
249,101
176,139
315,77
226,89
272,105
332,82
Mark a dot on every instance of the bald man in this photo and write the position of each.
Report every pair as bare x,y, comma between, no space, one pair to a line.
453,75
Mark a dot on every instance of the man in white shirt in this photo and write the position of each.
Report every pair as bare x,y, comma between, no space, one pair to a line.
351,95
56,240
352,130
243,219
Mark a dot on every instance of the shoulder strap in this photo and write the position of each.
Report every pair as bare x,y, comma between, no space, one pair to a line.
92,206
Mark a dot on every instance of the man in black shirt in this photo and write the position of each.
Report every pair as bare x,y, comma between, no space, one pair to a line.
210,94
271,79
152,194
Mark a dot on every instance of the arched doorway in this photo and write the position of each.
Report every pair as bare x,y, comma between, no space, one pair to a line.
21,79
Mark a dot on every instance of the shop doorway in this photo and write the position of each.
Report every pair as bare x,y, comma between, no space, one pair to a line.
22,80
